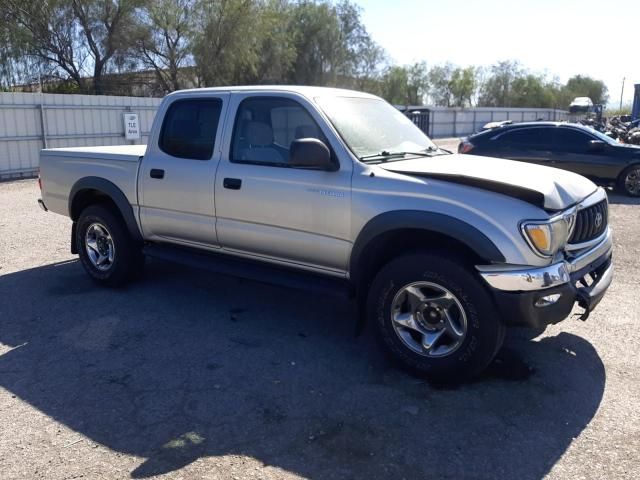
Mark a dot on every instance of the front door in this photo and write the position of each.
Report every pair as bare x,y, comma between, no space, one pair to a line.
575,153
266,208
176,178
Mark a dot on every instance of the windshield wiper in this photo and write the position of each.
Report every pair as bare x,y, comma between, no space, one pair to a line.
386,155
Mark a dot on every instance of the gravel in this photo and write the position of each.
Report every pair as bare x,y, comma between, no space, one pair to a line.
186,374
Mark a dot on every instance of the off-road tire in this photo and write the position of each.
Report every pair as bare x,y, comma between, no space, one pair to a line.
485,330
128,259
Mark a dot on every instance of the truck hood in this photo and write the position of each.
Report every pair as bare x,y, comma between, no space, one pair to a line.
549,188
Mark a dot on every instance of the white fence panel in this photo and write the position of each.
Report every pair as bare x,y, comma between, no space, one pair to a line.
457,122
29,121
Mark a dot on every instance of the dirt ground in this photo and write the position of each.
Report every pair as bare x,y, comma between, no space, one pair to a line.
191,375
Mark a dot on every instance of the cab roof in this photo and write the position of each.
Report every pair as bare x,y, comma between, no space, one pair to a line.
306,91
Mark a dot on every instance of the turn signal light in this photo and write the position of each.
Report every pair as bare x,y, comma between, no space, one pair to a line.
540,236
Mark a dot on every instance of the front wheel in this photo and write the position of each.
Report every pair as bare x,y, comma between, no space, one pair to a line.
434,317
629,181
107,252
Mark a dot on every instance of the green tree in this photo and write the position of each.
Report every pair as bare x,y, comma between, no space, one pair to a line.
406,85
418,83
394,85
316,32
371,58
531,91
49,31
164,33
584,86
464,83
451,86
361,58
107,27
440,84
276,49
498,88
224,42
13,68
77,37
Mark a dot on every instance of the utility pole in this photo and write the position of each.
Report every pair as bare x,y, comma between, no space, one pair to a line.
622,93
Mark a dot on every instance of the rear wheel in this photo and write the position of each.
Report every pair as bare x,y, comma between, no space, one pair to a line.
434,317
106,250
629,181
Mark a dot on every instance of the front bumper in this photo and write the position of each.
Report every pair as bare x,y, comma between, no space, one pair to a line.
537,297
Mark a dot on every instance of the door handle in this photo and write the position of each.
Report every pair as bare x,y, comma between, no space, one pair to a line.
232,183
156,173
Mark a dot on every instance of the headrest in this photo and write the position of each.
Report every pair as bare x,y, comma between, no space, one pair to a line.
259,133
306,131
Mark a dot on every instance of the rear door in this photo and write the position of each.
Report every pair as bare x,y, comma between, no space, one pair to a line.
526,144
268,209
176,178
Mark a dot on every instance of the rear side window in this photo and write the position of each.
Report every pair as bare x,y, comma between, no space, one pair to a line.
528,136
189,128
572,139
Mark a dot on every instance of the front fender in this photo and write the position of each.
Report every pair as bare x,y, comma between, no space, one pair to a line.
440,223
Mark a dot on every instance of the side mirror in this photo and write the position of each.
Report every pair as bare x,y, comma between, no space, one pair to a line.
310,153
596,145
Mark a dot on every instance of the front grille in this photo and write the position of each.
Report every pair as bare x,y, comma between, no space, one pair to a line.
591,222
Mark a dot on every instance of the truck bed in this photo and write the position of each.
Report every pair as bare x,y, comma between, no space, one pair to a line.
61,168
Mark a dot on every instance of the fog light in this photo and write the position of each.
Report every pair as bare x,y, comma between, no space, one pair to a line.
548,300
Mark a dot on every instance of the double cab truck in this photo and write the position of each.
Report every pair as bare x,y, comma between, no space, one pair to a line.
337,191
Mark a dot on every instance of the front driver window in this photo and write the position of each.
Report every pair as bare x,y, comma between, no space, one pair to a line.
266,126
572,140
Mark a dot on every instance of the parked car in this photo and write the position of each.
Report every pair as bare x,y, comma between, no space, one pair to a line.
336,190
568,146
581,105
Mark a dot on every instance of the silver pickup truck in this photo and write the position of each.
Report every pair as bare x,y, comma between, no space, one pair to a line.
336,191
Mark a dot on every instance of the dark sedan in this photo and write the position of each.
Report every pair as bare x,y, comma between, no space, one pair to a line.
568,146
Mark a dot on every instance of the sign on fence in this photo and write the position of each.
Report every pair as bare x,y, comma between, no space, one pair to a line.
131,126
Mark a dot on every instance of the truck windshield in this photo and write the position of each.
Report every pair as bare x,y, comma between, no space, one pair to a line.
371,127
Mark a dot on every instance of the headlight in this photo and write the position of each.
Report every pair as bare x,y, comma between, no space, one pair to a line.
549,237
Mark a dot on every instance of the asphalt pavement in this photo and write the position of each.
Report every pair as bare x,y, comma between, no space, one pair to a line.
191,375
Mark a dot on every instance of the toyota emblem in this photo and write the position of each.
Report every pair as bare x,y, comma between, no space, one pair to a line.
598,220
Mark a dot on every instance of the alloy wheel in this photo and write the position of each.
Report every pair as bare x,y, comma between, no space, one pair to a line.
632,182
99,246
428,319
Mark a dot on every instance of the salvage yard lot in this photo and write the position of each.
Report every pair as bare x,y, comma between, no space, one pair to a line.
194,375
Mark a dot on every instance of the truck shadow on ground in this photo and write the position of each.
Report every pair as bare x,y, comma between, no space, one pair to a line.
186,365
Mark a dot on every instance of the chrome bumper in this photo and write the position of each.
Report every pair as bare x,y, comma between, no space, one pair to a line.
518,279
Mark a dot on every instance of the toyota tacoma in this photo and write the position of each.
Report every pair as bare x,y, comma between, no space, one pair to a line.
337,191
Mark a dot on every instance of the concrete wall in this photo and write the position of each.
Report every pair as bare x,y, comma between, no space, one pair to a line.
31,121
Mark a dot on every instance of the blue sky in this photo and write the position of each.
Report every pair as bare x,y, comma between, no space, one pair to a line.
547,36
